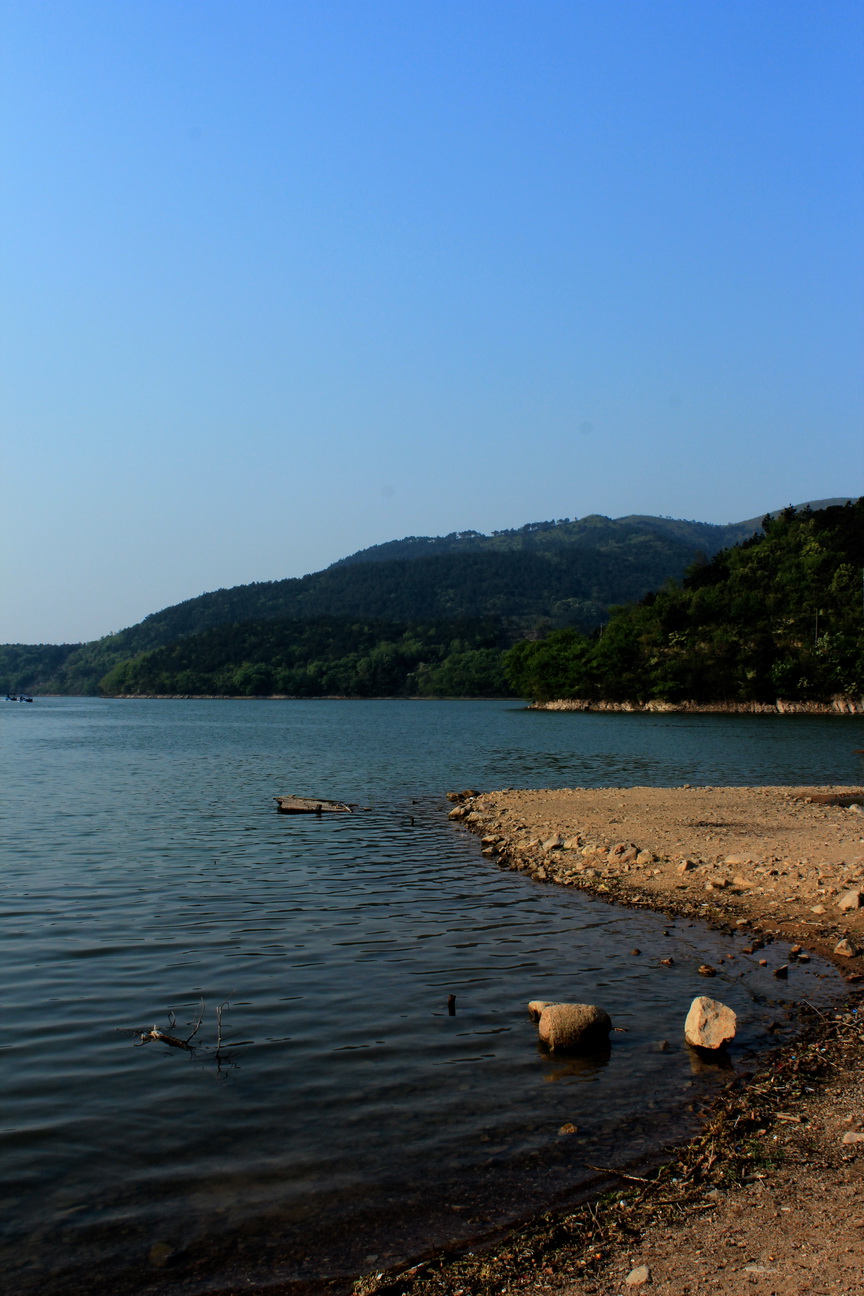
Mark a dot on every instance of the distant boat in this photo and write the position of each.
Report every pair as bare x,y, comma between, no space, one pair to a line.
14,697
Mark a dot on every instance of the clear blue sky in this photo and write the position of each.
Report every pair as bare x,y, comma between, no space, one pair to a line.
285,278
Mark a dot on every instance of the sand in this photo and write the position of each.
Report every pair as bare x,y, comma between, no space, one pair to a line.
772,857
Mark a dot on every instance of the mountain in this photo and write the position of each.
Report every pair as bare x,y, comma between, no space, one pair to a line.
565,573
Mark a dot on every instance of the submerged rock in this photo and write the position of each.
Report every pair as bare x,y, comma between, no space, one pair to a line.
710,1024
565,1026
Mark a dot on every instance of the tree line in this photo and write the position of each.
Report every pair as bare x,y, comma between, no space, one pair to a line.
779,615
324,656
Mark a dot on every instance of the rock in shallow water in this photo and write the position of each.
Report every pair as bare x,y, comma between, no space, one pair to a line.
710,1024
566,1026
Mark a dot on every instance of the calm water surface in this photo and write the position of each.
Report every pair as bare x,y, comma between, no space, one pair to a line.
347,1121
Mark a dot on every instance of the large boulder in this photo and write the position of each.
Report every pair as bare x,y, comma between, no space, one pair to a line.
710,1024
564,1026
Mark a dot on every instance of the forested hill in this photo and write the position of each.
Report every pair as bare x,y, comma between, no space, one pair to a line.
545,575
592,532
779,616
321,657
559,584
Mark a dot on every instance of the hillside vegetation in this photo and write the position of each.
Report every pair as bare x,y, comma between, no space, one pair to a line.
326,656
560,576
774,615
779,615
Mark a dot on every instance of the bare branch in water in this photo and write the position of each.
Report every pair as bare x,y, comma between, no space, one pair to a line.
198,1020
157,1034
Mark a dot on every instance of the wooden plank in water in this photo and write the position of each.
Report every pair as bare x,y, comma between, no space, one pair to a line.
310,805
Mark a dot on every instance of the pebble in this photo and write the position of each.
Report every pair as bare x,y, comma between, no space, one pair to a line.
569,1128
846,948
705,969
638,1277
852,1136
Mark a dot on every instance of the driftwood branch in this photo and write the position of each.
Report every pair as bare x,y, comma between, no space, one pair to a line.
174,1041
619,1173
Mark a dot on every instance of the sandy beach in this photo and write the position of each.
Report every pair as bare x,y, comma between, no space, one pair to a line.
769,1196
789,861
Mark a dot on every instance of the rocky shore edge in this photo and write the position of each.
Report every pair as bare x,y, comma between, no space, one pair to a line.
776,1169
529,833
772,1187
839,705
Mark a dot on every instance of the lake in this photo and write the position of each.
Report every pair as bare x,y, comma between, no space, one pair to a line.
344,1121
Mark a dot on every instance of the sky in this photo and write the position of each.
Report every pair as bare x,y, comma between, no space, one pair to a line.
282,279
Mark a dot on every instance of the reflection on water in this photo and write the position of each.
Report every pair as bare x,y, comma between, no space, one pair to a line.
577,1066
344,1113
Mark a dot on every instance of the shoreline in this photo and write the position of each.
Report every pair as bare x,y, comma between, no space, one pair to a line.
759,858
839,705
766,1192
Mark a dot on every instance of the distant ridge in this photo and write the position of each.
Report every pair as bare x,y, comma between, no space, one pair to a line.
590,531
526,580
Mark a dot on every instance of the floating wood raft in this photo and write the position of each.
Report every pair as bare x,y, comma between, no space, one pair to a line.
310,805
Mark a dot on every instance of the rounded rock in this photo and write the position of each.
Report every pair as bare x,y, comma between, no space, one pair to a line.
566,1026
